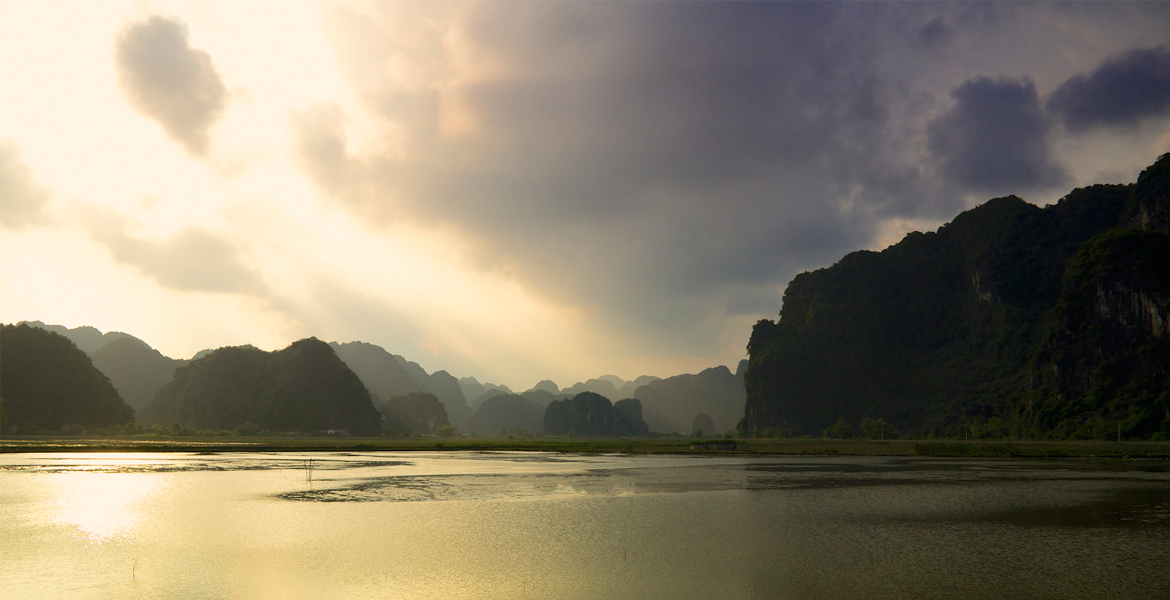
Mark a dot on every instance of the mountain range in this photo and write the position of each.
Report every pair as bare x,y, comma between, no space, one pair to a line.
1012,320
140,373
47,383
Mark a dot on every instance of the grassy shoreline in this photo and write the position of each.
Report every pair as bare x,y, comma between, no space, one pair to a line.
680,445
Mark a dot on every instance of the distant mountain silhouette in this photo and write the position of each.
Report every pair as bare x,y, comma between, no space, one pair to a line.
599,386
630,388
136,370
488,394
610,386
477,392
416,371
139,372
703,425
541,398
444,386
670,404
547,385
47,382
506,413
304,388
88,339
381,373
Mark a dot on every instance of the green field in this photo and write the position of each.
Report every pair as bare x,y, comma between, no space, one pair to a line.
663,445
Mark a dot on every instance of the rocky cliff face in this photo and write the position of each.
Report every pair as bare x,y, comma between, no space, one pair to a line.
956,326
1106,360
1150,204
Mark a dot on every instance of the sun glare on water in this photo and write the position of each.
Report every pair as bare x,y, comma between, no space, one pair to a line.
102,505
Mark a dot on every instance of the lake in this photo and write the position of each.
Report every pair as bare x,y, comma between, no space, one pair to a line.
541,525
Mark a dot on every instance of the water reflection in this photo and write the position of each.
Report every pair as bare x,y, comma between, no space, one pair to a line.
480,525
102,505
1134,507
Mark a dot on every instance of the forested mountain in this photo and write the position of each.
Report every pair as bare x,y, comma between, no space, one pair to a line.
1103,362
136,370
506,413
304,387
416,412
591,414
670,404
46,381
1011,320
139,373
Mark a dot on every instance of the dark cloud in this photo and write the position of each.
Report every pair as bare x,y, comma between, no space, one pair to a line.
24,202
191,259
995,139
164,78
669,164
628,152
937,33
1121,92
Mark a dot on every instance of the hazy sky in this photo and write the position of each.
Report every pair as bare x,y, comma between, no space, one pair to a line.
517,190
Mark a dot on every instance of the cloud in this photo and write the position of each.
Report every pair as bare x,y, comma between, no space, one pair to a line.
24,202
1121,92
167,80
937,33
666,168
191,259
995,139
611,154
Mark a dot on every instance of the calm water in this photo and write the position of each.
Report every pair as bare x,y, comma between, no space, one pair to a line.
504,525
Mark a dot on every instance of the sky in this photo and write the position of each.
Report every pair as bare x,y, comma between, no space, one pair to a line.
526,190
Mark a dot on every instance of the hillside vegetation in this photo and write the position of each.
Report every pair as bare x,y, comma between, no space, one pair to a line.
46,382
1010,321
304,388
